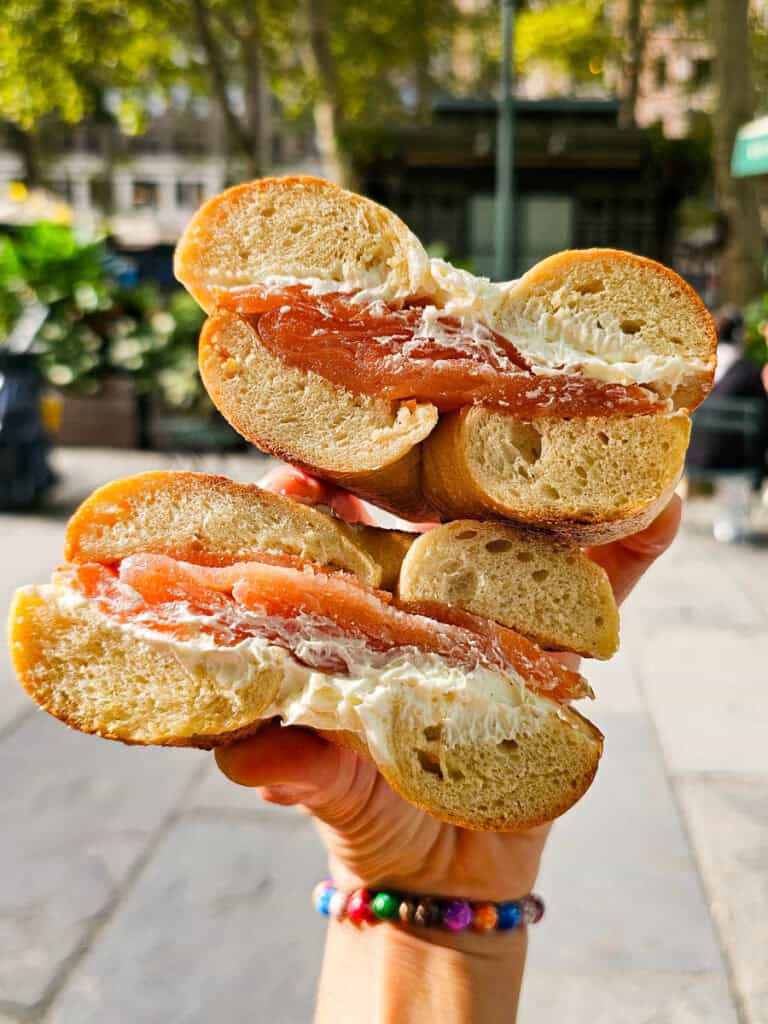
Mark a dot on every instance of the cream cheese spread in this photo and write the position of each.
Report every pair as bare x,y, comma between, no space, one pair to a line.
563,341
477,705
346,277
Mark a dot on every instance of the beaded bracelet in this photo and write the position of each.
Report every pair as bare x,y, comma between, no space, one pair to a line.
366,906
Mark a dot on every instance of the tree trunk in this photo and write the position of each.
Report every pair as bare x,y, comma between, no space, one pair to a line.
257,108
27,146
240,138
741,276
423,72
328,108
633,64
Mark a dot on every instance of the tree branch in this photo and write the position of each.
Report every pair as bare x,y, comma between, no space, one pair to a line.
328,109
219,83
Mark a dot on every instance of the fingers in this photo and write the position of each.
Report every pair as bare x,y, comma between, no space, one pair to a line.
292,766
295,483
627,560
295,760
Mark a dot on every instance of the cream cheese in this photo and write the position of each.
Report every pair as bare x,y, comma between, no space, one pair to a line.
348,276
572,340
565,341
477,705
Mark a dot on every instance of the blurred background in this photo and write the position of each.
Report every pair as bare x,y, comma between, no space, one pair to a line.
135,885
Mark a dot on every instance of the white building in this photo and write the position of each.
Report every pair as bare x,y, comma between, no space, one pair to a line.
144,189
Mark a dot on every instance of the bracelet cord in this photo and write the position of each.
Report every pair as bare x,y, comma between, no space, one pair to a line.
373,906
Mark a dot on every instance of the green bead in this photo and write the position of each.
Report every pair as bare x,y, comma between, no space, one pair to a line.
385,906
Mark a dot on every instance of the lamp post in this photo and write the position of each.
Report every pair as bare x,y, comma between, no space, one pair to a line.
504,226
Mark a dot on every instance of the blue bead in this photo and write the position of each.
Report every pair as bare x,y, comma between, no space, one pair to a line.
510,915
324,900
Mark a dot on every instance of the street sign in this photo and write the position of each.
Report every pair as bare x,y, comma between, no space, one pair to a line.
750,151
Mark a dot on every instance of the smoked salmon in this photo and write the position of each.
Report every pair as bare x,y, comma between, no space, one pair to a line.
290,606
412,353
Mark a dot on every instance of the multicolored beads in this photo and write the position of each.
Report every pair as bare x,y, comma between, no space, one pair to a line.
358,907
510,915
366,907
385,906
485,917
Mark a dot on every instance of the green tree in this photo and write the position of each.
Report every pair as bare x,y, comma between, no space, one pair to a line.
62,57
742,273
350,67
355,67
571,36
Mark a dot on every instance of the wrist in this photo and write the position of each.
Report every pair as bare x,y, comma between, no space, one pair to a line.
401,974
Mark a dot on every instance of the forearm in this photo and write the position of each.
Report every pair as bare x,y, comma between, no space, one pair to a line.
386,974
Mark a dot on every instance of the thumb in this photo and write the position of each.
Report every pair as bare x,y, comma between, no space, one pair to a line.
294,766
627,560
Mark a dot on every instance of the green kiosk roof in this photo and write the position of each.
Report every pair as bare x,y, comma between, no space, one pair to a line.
750,152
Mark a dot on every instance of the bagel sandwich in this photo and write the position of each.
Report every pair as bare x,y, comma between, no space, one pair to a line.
191,609
559,401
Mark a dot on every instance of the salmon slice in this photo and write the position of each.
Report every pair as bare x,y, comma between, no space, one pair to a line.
534,664
289,606
401,354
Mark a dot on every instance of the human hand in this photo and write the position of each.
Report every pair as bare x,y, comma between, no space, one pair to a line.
372,835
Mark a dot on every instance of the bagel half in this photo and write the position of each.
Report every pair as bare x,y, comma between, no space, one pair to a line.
616,324
485,744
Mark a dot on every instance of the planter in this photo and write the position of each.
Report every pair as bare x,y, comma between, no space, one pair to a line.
109,419
174,431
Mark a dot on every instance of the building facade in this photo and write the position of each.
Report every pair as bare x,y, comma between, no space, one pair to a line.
146,187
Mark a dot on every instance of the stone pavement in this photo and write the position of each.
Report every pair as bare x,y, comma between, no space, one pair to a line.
138,887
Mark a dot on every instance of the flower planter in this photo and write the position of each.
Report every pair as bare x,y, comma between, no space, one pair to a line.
108,419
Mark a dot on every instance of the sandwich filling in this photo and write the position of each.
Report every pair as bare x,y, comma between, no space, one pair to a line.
310,613
477,705
417,352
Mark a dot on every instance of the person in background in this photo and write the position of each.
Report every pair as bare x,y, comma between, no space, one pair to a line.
734,458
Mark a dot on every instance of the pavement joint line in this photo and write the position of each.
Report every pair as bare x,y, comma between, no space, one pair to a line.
72,962
739,1002
16,722
736,996
18,1011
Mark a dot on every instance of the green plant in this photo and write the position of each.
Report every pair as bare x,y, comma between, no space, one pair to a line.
756,329
94,326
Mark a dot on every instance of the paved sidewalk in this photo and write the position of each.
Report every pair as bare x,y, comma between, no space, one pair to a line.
138,887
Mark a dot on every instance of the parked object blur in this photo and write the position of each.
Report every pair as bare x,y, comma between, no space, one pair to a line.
730,432
24,472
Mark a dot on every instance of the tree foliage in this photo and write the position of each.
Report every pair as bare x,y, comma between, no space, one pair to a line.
94,325
62,57
366,63
571,36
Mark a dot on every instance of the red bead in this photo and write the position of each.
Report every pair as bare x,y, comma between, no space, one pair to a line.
359,907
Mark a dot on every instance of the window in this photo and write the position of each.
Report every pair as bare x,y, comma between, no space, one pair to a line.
545,226
101,193
660,72
701,73
62,187
189,194
481,233
144,194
